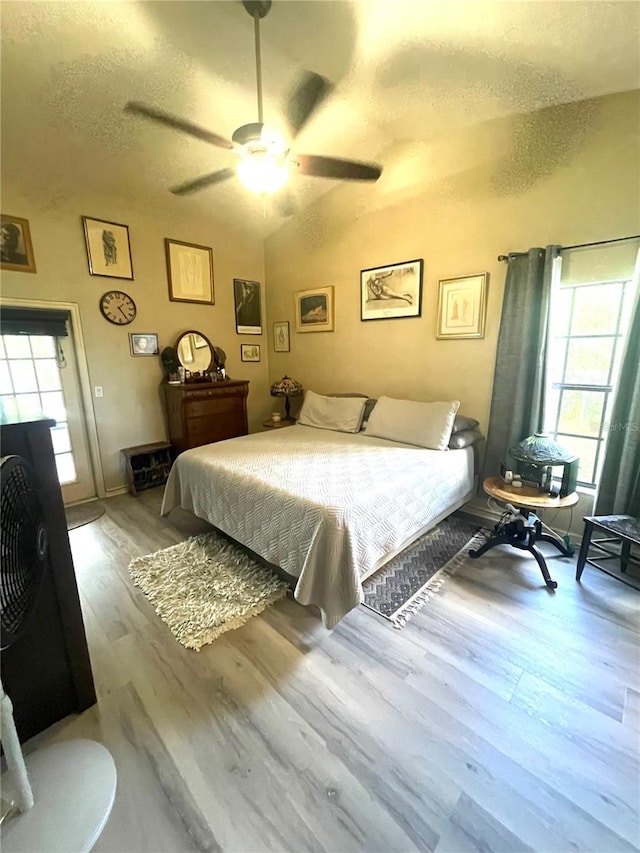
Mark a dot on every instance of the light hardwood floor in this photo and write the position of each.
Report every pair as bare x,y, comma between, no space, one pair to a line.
502,718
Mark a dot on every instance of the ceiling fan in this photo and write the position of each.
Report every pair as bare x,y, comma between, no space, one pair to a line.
265,161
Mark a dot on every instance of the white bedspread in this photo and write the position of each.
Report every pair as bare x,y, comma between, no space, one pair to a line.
328,507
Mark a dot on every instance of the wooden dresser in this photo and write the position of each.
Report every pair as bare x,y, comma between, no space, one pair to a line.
203,412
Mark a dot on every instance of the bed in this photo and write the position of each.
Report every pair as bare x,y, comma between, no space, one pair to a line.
330,508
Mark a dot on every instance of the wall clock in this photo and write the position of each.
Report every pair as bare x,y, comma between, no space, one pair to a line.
118,307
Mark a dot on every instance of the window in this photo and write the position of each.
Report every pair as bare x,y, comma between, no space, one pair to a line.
29,374
589,322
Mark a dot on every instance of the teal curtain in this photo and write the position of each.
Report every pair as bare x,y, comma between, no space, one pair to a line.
619,487
517,404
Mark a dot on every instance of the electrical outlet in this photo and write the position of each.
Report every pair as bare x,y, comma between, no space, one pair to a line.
98,391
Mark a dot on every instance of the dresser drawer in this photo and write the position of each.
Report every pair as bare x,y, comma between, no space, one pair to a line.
205,431
212,407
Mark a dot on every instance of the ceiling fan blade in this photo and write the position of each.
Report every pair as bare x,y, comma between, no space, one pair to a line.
177,124
306,98
330,167
204,181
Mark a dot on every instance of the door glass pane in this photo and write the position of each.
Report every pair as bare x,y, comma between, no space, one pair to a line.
23,376
5,379
585,449
17,346
53,405
2,352
588,361
557,352
66,468
61,439
28,405
48,374
581,412
595,310
42,347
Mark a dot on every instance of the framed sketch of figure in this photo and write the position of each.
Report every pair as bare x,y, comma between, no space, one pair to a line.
108,248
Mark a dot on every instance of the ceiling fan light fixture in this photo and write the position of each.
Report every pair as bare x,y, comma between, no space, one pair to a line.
263,172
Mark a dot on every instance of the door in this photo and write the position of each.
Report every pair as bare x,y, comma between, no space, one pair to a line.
41,372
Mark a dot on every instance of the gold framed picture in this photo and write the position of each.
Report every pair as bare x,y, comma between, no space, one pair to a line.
108,248
314,310
16,251
462,306
190,272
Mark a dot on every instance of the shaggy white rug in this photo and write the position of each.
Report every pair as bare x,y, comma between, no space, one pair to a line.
204,587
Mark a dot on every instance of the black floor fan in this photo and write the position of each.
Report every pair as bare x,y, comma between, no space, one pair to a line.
59,798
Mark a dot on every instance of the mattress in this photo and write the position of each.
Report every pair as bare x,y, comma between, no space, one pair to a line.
328,507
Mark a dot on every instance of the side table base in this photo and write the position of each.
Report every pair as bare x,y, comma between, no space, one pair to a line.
523,535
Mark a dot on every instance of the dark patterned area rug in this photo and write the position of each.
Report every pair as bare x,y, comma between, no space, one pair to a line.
407,582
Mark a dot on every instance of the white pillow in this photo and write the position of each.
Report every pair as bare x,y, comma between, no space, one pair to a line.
424,424
340,413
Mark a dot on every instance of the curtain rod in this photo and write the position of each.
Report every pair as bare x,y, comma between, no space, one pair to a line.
577,246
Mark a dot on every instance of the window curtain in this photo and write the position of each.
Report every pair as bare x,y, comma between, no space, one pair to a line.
517,404
619,487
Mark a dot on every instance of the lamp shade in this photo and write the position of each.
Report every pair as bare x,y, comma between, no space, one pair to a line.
541,449
286,387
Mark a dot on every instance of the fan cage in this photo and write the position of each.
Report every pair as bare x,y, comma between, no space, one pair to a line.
23,546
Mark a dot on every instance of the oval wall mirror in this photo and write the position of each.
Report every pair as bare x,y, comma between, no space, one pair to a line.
195,352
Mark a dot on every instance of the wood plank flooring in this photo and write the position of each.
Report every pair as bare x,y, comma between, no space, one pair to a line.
502,718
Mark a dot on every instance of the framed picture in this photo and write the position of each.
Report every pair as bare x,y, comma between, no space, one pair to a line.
281,341
143,343
462,306
190,272
390,292
246,295
249,352
108,248
16,251
314,310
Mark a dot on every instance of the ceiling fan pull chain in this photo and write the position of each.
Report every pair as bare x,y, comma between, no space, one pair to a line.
256,27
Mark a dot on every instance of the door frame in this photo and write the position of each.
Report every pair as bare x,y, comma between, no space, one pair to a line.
86,396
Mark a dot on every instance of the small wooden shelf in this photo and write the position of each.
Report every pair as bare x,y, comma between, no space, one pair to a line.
147,465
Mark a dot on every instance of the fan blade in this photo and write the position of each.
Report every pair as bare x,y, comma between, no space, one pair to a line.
177,124
204,181
305,100
330,167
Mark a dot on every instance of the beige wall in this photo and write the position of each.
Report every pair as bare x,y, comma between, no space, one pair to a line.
564,175
131,410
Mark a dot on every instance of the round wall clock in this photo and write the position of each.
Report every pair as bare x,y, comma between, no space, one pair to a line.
118,307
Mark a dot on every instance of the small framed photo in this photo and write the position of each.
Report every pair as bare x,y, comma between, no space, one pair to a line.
462,306
249,352
314,310
143,343
247,299
281,340
16,251
190,272
393,291
108,248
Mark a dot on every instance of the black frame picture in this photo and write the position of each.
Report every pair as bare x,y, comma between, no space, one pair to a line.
247,299
391,292
150,340
250,352
108,248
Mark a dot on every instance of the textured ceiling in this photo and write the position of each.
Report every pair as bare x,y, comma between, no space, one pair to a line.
403,71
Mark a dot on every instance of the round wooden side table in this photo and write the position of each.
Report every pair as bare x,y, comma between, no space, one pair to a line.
525,530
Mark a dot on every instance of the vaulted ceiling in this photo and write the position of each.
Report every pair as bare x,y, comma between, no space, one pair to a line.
403,71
